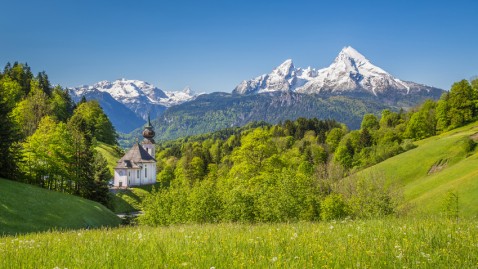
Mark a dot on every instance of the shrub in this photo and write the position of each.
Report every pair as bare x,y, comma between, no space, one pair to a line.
333,207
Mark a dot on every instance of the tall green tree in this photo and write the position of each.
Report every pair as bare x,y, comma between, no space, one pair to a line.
28,112
102,175
370,122
20,73
422,124
8,138
62,105
95,121
461,104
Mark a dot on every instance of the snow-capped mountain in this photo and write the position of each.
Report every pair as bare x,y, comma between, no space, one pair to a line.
139,96
350,73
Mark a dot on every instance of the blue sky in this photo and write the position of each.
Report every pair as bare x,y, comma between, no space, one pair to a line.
214,45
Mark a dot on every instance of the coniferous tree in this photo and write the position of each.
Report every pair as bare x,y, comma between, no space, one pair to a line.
102,176
44,83
8,138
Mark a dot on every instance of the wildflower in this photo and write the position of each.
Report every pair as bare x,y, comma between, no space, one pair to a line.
274,259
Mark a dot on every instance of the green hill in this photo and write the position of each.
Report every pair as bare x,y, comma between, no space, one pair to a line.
439,165
111,154
26,208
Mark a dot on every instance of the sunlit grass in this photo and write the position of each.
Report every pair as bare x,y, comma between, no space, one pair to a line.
130,199
27,208
425,191
388,243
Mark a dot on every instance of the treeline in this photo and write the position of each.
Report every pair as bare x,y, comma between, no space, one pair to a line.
296,170
378,140
47,139
274,173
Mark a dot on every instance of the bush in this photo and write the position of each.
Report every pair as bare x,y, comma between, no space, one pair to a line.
333,207
369,196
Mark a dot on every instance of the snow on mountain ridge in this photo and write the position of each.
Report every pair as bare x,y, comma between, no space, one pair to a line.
350,72
137,91
139,96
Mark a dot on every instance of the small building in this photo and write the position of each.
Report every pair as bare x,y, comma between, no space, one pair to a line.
138,166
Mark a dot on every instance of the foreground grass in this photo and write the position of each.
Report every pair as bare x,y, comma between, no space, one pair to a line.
130,200
26,208
348,244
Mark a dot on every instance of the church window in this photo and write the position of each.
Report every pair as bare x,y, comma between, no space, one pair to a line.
145,172
137,174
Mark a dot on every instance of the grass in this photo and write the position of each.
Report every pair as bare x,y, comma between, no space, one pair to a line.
110,154
129,200
388,243
426,192
26,208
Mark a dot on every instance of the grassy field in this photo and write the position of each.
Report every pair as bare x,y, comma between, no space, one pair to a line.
26,208
455,170
111,155
129,200
392,243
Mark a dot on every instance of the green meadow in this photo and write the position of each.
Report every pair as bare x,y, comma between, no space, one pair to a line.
439,165
26,208
387,243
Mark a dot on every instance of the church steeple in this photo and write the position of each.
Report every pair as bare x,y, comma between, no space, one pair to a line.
148,141
148,132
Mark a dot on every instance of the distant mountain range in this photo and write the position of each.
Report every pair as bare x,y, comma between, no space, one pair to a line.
350,74
128,102
348,88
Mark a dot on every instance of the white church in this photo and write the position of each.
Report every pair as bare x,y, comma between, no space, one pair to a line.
138,166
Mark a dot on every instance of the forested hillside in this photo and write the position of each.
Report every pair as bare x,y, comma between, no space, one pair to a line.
216,111
47,140
295,170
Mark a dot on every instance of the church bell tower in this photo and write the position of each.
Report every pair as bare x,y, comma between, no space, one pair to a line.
148,141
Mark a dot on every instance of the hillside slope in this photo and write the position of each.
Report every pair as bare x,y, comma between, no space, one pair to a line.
111,154
216,111
26,208
438,165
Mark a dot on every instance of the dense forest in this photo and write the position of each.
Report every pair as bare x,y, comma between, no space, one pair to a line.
47,139
296,170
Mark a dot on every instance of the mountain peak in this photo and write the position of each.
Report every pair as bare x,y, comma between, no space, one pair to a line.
350,52
285,68
349,73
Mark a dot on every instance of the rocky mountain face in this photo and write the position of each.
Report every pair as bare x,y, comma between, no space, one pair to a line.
350,74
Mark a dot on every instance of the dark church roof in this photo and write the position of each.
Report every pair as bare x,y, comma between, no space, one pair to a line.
135,156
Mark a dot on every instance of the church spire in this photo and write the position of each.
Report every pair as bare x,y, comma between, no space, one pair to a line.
149,122
148,132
